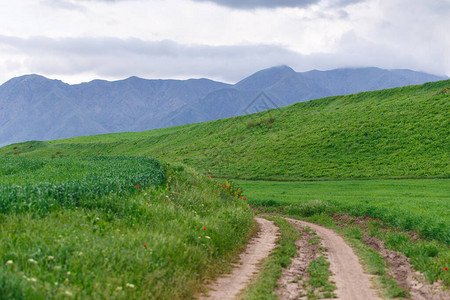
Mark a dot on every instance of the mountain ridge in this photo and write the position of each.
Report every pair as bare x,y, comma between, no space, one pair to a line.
33,107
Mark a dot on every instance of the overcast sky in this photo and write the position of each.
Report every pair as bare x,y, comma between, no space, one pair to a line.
79,40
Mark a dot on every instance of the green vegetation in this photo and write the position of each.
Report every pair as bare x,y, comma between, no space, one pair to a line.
319,274
394,133
418,205
74,222
44,185
161,239
263,286
421,206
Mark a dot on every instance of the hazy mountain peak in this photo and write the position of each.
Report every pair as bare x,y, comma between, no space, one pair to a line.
33,107
265,77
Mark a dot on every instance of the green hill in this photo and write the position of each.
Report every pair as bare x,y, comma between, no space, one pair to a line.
393,133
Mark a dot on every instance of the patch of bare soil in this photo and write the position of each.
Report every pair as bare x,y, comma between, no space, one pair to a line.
292,283
230,286
350,279
407,278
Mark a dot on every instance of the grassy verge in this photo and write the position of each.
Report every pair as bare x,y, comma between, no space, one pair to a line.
263,286
318,282
371,260
159,241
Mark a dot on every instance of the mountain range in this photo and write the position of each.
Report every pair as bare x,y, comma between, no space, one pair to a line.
33,107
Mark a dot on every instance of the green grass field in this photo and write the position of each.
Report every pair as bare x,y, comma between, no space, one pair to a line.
391,208
121,227
419,205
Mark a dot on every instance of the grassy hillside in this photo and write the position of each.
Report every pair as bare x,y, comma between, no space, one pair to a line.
394,133
113,228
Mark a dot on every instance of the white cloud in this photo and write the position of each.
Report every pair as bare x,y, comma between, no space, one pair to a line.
78,40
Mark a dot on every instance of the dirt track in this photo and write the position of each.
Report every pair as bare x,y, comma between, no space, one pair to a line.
231,286
350,279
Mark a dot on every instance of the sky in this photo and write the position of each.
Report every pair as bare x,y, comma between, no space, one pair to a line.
226,40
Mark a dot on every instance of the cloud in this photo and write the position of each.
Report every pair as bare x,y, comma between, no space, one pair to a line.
64,4
251,4
70,59
114,58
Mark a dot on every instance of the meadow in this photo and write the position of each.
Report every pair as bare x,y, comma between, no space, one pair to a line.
120,227
410,216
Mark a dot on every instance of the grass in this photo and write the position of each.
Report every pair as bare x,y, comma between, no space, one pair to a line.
318,282
263,286
159,241
418,205
393,133
396,216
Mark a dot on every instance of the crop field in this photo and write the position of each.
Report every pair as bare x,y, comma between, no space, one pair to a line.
113,227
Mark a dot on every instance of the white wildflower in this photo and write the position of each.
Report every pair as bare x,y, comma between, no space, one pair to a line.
68,293
32,279
119,288
50,257
80,253
130,285
68,273
55,283
9,262
208,237
32,261
57,267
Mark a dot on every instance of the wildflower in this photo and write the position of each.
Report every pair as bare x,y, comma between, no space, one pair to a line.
50,257
145,245
68,293
137,186
9,262
32,279
130,285
445,268
57,267
245,198
376,219
32,261
208,237
68,273
204,228
55,283
119,288
169,257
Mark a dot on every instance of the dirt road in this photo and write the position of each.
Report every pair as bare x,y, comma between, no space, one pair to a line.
351,281
259,248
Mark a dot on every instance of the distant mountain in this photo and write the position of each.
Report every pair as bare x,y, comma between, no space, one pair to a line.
33,107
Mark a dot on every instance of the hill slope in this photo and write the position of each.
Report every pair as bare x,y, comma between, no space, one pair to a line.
34,107
400,132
